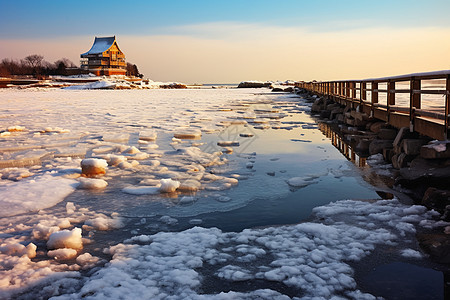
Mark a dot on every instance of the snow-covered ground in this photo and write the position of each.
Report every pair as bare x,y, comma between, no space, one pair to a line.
76,163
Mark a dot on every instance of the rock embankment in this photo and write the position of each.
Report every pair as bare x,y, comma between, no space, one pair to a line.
421,165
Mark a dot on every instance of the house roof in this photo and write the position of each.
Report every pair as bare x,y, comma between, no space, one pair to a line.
101,44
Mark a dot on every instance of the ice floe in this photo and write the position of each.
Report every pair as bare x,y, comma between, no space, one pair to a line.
310,258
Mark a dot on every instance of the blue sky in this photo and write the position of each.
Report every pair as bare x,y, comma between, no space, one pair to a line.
38,19
69,27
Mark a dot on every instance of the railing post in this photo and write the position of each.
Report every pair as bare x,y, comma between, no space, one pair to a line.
353,86
347,90
374,99
447,107
374,92
363,91
390,93
414,100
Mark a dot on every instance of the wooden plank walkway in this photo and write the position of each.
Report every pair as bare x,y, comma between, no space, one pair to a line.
365,95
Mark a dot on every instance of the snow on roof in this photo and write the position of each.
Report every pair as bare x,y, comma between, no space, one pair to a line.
101,44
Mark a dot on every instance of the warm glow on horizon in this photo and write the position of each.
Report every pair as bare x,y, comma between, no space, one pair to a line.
230,51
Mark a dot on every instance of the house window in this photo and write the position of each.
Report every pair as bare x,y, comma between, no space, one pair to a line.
114,56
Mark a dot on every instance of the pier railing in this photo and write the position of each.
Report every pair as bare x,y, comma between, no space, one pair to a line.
420,101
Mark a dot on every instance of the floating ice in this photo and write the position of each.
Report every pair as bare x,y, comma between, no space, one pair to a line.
34,194
62,254
65,239
149,135
102,222
141,190
309,257
301,181
244,134
228,143
169,185
189,185
16,128
187,133
91,183
93,166
410,253
86,260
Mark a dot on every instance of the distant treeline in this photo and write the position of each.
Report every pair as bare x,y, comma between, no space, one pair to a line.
35,65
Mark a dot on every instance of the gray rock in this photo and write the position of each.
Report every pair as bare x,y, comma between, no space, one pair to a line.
412,146
375,127
432,151
387,134
377,146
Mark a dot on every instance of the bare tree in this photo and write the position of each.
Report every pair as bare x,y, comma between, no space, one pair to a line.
132,70
34,61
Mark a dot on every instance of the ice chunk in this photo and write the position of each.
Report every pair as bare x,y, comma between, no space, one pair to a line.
116,137
62,253
114,160
234,273
149,135
102,222
141,190
70,208
132,150
410,253
34,194
168,220
300,181
16,249
86,260
92,183
65,239
187,133
195,221
93,166
189,185
16,128
169,185
246,134
228,143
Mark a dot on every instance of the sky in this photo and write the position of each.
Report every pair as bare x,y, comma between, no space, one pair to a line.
232,41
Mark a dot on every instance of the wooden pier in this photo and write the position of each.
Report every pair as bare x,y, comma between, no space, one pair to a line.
377,98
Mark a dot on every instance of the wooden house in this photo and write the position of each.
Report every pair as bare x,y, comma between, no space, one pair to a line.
104,58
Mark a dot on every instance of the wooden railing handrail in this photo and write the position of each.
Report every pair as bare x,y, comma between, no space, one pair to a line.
346,92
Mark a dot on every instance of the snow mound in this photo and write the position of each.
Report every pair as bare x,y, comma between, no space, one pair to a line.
101,84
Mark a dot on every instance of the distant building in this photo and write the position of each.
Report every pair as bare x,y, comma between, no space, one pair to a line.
104,58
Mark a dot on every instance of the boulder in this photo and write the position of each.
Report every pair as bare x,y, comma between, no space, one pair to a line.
420,167
437,245
436,199
401,160
387,134
376,126
363,145
436,150
412,146
388,154
377,146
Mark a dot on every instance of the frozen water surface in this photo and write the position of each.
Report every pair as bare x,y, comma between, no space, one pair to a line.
178,216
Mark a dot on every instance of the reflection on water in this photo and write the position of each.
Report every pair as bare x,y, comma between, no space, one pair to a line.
339,142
